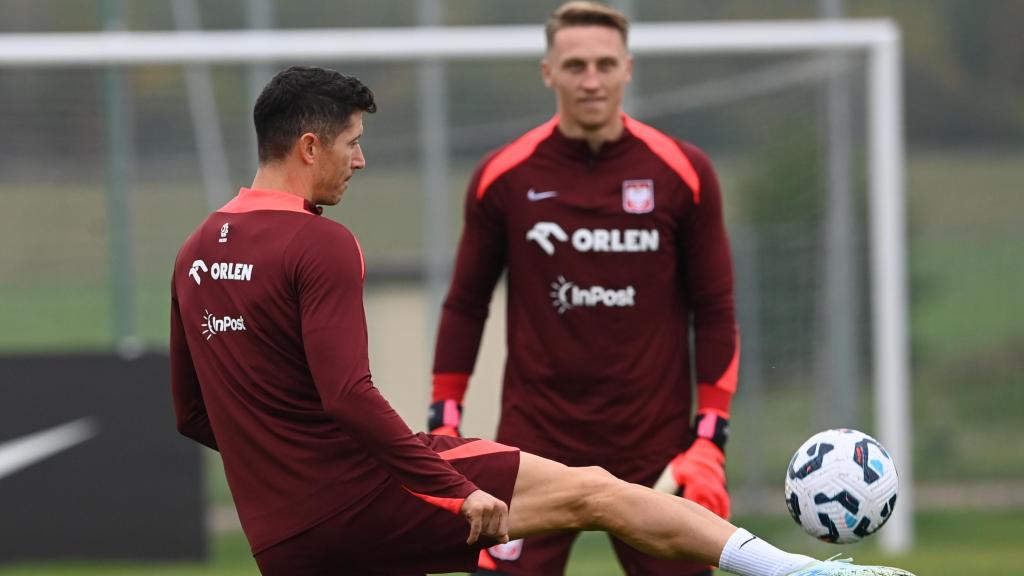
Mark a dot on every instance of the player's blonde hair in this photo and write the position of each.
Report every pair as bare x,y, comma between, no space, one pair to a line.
584,13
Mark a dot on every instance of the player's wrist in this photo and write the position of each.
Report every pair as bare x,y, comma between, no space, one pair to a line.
445,414
713,428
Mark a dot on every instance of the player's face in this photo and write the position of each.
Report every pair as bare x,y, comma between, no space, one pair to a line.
340,161
588,68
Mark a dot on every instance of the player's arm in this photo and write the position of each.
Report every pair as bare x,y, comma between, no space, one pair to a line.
327,267
704,250
710,285
189,408
479,262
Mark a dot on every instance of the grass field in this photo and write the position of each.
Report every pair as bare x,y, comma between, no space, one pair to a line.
949,544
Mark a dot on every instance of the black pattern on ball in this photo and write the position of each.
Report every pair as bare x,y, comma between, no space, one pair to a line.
812,464
862,457
828,524
793,505
844,498
889,506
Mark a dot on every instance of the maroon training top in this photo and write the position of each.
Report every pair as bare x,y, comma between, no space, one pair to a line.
269,366
608,256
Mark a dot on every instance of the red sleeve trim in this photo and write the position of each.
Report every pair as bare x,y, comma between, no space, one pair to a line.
450,386
666,148
453,505
474,449
728,380
711,400
716,397
515,153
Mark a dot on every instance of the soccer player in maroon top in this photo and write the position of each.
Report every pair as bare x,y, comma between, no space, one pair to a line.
613,238
268,338
269,367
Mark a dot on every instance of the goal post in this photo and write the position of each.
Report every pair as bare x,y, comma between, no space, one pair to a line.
878,40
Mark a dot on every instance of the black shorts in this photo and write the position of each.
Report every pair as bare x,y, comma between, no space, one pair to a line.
397,533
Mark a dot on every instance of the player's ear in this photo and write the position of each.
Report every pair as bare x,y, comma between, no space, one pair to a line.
308,147
629,68
545,71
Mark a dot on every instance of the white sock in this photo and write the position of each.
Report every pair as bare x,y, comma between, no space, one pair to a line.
747,555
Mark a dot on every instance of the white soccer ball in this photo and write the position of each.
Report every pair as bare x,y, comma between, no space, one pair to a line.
841,486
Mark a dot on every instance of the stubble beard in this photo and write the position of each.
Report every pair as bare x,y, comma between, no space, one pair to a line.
329,192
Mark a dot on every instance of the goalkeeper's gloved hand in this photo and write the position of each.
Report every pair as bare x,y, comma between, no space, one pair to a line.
444,418
698,473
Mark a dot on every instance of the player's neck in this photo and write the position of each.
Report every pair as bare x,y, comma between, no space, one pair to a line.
273,177
594,137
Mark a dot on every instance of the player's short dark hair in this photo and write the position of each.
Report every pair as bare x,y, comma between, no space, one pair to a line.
302,99
583,13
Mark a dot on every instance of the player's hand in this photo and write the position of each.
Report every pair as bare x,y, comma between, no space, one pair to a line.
487,517
444,418
698,474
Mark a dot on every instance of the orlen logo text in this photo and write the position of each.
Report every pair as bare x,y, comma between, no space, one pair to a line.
221,271
566,295
594,240
213,325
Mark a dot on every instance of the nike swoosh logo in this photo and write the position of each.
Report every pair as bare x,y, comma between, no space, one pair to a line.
532,195
20,453
748,541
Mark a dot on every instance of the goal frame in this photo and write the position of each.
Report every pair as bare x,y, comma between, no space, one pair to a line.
879,40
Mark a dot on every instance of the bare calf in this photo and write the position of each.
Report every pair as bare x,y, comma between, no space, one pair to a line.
551,497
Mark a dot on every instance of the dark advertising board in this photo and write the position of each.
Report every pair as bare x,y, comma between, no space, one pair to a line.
91,466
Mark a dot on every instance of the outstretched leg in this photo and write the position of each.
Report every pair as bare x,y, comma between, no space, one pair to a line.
552,497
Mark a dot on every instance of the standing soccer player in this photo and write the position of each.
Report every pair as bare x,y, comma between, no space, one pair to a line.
613,238
269,366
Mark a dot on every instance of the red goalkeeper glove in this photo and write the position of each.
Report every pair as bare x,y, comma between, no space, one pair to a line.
444,418
698,474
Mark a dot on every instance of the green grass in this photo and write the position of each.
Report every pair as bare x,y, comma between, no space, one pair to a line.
74,316
949,544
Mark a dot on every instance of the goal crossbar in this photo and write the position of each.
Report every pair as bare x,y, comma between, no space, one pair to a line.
421,43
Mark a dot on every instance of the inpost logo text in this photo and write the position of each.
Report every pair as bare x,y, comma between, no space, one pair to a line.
213,325
566,295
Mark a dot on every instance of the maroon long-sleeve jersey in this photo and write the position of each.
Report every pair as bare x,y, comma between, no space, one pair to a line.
610,257
269,366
